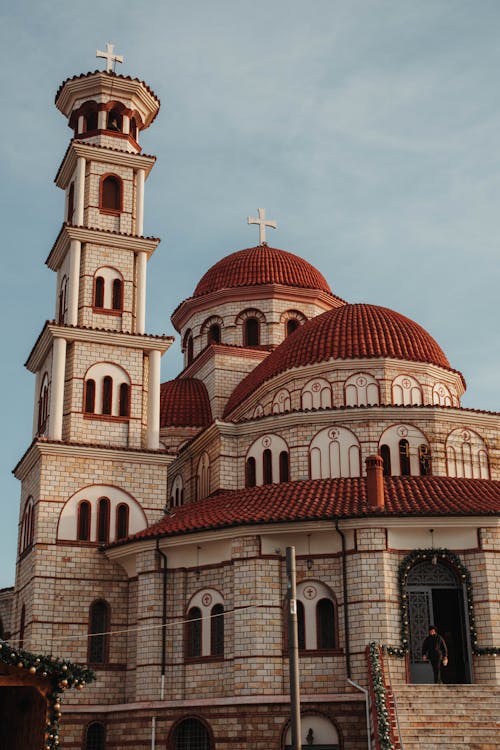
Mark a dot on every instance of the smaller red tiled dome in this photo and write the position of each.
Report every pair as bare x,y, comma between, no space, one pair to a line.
184,403
261,265
357,331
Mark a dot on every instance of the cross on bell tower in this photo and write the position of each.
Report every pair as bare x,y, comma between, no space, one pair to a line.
109,57
263,223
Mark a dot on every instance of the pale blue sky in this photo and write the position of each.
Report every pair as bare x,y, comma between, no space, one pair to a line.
369,130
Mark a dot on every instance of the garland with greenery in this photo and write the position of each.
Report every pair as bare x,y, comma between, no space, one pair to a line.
61,674
418,555
382,723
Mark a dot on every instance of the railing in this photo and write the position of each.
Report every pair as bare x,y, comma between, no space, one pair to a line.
385,732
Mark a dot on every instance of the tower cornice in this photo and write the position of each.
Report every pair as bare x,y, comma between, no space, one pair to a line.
99,237
93,152
53,331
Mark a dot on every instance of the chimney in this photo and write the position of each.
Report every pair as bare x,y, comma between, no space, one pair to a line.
375,482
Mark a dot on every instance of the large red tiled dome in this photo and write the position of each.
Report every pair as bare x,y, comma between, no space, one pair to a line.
261,265
349,332
184,403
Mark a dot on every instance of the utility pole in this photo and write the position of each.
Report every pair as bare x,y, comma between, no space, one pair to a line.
293,647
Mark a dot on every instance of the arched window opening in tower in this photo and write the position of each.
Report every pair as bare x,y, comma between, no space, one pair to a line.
385,454
99,621
71,203
99,292
267,466
284,468
114,121
103,520
111,194
117,296
91,121
217,630
291,325
133,128
251,477
252,332
90,396
43,405
122,521
124,410
83,523
107,394
193,633
325,618
63,300
424,460
95,736
214,335
404,458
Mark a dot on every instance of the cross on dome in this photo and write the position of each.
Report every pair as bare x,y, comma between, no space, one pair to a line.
109,56
263,223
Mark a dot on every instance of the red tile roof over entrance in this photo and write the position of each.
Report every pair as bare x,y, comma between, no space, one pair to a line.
355,331
326,499
184,403
261,265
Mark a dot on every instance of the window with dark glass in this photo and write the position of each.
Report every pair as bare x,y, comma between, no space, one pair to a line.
111,193
284,470
107,394
90,396
95,736
385,455
84,515
99,292
43,407
193,635
103,520
404,457
252,331
191,734
99,620
71,203
217,630
63,301
214,334
424,460
301,625
325,614
117,300
122,515
91,121
291,325
251,472
267,466
124,400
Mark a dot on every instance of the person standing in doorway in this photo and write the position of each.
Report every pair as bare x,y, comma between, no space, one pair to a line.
434,650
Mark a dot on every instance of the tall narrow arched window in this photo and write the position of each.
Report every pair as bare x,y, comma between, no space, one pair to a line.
291,325
404,458
193,632
103,520
188,347
325,614
214,334
124,400
252,332
424,459
111,194
301,625
133,128
385,454
217,630
267,466
63,301
99,620
83,522
284,470
117,296
71,203
95,736
91,121
43,405
251,472
122,516
114,121
99,292
107,394
22,626
90,396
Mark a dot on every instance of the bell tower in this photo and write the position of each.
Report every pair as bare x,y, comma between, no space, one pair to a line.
95,471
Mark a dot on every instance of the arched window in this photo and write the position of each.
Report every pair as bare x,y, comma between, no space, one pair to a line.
325,616
122,515
267,466
99,620
193,634
43,405
107,394
406,391
103,520
63,300
251,472
252,332
114,121
177,491
317,394
90,396
217,630
117,297
111,194
191,734
22,626
424,459
281,402
188,348
284,469
214,334
91,121
95,736
99,292
124,409
335,452
361,389
301,625
71,203
291,325
83,523
203,477
133,128
467,455
385,454
27,534
404,458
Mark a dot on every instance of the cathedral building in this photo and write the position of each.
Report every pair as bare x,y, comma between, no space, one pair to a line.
154,517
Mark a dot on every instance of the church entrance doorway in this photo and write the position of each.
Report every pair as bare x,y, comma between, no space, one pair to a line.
436,596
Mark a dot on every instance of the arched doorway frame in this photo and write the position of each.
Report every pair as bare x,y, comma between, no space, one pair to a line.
448,558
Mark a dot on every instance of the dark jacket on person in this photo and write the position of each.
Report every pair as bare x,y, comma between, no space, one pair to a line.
434,648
